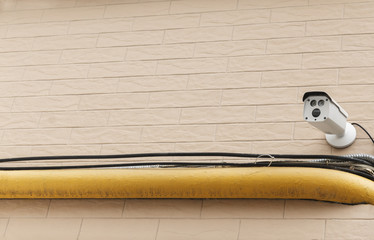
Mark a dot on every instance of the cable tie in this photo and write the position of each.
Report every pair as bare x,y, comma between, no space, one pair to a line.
265,155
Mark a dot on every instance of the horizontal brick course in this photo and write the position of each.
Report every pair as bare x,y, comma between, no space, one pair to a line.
128,229
166,22
137,9
38,29
284,229
198,229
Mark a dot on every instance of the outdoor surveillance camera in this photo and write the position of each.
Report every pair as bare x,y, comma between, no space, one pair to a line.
324,113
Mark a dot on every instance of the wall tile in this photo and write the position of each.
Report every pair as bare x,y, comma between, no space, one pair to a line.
270,3
45,103
358,42
136,148
38,88
276,113
282,229
217,115
259,131
198,229
321,2
40,4
308,13
93,55
166,22
152,83
318,77
8,6
35,136
204,34
131,68
48,150
160,52
185,98
6,104
87,208
73,119
242,208
234,48
259,96
338,59
42,228
235,17
144,117
186,133
354,229
55,72
24,208
100,26
65,42
16,44
224,80
130,38
269,30
105,135
265,63
356,76
360,111
214,147
11,73
137,9
296,45
15,151
3,226
185,66
102,2
292,147
67,14
29,58
114,101
336,27
305,131
84,86
127,229
187,6
358,10
162,208
3,31
38,29
19,120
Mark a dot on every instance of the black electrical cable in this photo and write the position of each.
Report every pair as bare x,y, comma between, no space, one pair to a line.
358,125
190,154
320,161
200,164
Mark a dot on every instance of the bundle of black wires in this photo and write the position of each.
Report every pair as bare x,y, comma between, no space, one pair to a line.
359,164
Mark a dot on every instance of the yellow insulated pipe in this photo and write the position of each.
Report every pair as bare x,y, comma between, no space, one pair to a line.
255,182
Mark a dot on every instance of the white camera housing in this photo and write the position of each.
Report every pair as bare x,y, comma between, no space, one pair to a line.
324,113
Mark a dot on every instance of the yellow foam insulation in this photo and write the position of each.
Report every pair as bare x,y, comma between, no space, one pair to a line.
255,182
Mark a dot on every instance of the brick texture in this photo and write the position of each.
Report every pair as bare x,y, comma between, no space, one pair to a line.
131,76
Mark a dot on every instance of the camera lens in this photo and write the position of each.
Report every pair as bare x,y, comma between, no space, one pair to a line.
313,103
321,103
316,112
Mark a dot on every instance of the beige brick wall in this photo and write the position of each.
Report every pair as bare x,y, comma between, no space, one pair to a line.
183,219
126,76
